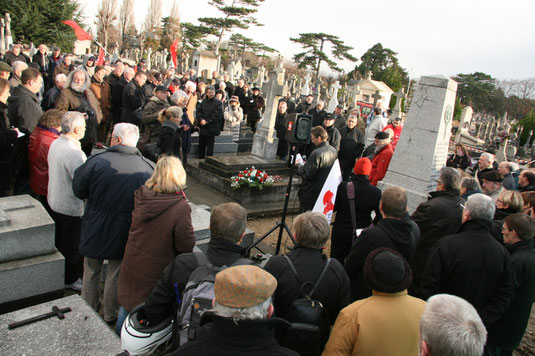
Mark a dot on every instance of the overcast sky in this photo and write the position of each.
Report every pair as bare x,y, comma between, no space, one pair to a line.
431,37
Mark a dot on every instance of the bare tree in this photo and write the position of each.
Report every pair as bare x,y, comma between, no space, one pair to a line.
105,21
522,89
126,20
154,16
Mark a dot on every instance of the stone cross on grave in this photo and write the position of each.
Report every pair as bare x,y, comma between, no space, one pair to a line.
265,141
9,39
261,74
400,95
2,34
334,96
526,145
355,92
376,97
10,206
305,90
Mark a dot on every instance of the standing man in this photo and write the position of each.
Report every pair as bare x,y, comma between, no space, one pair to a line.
255,107
316,169
526,181
290,104
471,264
209,116
334,134
117,93
23,106
78,97
102,92
64,157
44,63
16,55
54,59
64,66
133,99
339,121
305,106
108,181
351,145
318,113
115,76
281,123
439,216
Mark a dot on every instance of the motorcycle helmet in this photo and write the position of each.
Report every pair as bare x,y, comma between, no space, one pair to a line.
138,337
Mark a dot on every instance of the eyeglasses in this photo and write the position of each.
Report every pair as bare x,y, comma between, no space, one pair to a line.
462,206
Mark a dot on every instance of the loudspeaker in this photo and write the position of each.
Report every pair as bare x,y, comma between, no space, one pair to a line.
298,129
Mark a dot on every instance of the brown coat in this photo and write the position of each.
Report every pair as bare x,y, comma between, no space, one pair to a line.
68,101
161,229
102,92
383,324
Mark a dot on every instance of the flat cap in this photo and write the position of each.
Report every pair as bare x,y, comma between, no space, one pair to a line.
492,176
243,286
4,67
161,88
381,135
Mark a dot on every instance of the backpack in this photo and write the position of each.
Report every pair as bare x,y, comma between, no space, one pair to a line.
197,298
305,313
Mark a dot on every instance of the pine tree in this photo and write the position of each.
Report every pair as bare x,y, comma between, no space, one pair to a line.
39,21
236,14
314,54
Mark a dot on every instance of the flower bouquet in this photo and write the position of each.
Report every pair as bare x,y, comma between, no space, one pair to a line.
252,178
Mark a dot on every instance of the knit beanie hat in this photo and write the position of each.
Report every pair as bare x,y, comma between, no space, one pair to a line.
363,167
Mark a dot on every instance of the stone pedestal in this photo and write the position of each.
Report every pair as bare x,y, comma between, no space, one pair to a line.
224,145
81,332
29,263
423,146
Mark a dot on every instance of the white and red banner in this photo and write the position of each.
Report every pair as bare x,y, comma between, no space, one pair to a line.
327,197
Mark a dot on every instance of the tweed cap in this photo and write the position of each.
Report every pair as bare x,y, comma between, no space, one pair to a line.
243,286
4,67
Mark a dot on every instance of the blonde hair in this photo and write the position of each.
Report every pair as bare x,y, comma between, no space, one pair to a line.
169,176
512,199
171,112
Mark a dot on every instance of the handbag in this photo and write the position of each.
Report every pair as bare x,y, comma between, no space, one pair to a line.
152,151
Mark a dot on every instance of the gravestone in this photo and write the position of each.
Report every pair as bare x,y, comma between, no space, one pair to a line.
2,36
334,97
305,90
81,332
400,95
376,97
265,140
29,262
354,95
8,37
422,148
464,124
526,144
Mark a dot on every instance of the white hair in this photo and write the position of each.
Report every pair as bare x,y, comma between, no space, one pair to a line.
256,312
488,156
190,86
71,120
87,83
451,326
178,96
128,70
128,133
61,77
19,66
480,206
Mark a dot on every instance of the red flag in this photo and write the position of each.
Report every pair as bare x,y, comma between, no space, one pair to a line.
172,50
80,34
100,60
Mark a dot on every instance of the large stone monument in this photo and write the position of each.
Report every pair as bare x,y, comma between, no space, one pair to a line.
265,140
30,265
422,148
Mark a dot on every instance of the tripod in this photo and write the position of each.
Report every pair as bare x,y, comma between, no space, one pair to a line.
282,224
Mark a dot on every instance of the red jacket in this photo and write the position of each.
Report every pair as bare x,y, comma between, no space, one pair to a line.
380,164
397,132
40,141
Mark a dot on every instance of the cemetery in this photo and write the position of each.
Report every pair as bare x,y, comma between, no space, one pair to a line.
38,314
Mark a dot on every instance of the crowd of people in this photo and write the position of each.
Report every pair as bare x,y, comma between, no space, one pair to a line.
468,250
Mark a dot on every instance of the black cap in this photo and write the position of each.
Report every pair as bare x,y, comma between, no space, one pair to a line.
329,116
255,88
161,88
385,270
492,176
381,135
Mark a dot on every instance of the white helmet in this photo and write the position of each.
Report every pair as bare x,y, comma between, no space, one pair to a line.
138,338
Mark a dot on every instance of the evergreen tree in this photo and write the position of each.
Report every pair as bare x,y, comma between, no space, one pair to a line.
384,65
314,54
39,21
238,44
236,14
477,90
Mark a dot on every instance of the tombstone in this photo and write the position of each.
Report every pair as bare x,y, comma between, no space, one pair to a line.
501,154
464,124
9,39
29,262
400,95
81,331
265,140
292,84
422,148
526,144
149,58
334,97
355,92
230,70
164,61
376,97
2,36
261,74
305,90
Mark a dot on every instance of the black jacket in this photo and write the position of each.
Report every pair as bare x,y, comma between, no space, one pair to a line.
315,172
49,98
160,303
8,139
318,116
133,100
472,265
390,233
108,181
170,139
227,337
351,147
441,215
304,107
255,106
479,174
210,110
509,182
508,331
332,292
527,188
112,79
339,122
461,162
117,97
334,137
23,109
